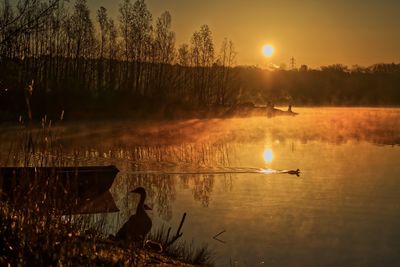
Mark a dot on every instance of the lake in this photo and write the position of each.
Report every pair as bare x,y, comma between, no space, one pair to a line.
343,209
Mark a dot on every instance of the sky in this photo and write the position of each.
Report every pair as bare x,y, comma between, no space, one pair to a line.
315,33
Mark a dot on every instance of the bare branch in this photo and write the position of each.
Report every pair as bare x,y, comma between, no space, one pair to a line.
178,233
25,27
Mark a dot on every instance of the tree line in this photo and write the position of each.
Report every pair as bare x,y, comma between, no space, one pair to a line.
77,61
332,85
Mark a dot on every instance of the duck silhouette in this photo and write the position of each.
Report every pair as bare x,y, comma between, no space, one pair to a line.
138,225
294,172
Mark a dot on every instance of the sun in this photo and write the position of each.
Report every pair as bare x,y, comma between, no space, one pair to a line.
268,50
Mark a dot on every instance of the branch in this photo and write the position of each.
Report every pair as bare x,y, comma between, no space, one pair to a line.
216,236
178,233
24,27
21,13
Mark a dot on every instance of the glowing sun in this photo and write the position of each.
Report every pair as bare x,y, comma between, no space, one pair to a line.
268,50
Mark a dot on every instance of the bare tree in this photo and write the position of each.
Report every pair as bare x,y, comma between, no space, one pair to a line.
202,51
225,61
112,54
125,19
31,15
165,47
141,30
102,18
165,39
184,62
184,55
83,30
103,21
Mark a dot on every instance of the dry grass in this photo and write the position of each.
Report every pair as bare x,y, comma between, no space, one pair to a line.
182,250
34,232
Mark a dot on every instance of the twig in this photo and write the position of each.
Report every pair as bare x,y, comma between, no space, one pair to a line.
168,232
178,232
181,224
216,236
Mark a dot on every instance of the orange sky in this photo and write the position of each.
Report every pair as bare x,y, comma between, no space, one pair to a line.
314,32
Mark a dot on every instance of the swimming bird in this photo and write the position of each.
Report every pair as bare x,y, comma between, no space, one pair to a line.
138,225
295,172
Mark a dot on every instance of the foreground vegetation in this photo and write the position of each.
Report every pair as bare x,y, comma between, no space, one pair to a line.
34,237
35,230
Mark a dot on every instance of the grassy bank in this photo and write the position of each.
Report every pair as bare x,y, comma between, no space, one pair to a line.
31,237
33,232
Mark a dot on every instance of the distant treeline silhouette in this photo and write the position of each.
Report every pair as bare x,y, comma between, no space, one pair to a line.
333,85
80,65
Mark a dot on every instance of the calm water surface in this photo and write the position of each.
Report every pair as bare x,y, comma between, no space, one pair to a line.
343,210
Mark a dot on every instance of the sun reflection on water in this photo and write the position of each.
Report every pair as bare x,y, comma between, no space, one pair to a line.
268,155
268,171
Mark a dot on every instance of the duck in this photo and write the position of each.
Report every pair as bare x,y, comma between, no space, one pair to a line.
294,172
139,224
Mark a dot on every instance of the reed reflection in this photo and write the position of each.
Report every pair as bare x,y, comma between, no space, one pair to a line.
161,193
202,188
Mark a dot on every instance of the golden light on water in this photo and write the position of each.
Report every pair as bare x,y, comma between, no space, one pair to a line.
268,155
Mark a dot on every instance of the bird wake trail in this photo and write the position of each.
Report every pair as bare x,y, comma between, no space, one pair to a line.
228,170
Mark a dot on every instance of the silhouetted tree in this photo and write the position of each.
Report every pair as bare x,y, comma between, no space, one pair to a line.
165,47
226,60
202,51
184,62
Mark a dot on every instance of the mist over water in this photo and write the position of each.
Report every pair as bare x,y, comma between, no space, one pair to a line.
342,211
